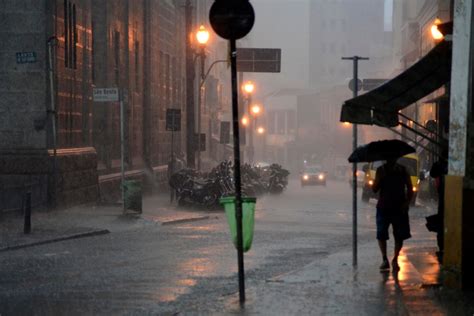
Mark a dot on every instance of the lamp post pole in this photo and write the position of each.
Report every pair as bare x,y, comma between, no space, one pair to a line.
202,36
202,56
355,60
249,88
251,127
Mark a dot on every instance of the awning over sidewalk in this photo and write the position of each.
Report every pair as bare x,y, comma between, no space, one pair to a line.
381,105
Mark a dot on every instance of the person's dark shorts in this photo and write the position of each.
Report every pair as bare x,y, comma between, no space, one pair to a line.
399,221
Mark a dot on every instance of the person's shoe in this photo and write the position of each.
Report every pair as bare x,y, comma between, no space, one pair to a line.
385,266
395,266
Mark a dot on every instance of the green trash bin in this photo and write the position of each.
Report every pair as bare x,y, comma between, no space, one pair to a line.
133,195
248,219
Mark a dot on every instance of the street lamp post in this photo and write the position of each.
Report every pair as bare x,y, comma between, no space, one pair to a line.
248,89
255,110
202,36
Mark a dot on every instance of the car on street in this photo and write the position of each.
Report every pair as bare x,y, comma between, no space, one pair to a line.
313,175
360,177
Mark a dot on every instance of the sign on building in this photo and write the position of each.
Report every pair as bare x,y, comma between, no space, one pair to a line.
105,94
258,59
25,57
173,120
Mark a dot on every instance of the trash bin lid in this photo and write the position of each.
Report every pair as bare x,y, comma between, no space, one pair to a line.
231,199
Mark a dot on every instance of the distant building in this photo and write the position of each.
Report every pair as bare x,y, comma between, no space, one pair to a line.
339,29
347,28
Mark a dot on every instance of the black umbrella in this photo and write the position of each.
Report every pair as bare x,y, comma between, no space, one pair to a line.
381,150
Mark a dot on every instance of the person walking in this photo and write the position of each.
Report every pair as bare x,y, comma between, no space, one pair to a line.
396,191
175,164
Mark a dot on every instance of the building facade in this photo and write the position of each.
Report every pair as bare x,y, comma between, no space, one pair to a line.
136,46
413,40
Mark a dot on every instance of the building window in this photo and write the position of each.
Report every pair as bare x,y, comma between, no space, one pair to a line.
281,127
167,80
116,56
70,35
93,53
291,121
137,66
161,76
174,81
271,122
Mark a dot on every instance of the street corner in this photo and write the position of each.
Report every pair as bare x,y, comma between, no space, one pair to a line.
175,219
15,240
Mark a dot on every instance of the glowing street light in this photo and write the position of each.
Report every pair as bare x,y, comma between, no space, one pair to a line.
346,124
245,121
260,130
202,35
256,109
435,33
248,87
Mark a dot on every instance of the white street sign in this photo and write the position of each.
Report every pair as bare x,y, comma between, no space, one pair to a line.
105,94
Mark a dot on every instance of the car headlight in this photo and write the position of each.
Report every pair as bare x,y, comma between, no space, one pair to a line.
321,176
305,177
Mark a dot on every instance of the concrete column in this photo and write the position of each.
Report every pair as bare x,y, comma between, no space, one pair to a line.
459,201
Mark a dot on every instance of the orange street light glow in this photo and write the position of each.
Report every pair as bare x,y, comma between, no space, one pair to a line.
245,121
202,35
435,33
346,124
248,87
260,130
256,109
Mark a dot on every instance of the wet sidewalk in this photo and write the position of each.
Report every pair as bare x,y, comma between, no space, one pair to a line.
332,286
84,221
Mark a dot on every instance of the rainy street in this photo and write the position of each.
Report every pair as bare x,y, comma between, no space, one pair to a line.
187,267
237,157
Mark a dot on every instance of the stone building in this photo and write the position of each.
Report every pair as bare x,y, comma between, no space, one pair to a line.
136,46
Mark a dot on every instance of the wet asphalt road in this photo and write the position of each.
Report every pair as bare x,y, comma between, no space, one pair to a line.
181,268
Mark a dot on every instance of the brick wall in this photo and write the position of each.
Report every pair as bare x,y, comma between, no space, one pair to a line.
137,46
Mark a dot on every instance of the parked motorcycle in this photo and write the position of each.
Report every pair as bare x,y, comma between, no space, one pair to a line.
205,189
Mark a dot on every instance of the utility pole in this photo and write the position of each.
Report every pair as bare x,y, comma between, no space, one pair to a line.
190,73
355,86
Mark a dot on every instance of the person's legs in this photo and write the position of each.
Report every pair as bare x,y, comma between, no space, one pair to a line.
382,237
383,249
401,231
396,253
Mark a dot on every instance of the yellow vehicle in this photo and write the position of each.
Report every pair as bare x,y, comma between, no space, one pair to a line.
410,162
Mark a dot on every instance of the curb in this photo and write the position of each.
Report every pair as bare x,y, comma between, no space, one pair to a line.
49,241
185,220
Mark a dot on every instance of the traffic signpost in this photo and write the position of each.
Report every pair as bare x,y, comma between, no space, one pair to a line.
355,89
232,20
113,95
371,84
259,60
352,86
